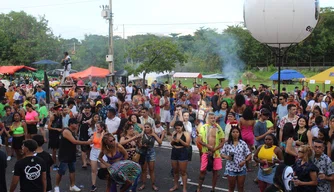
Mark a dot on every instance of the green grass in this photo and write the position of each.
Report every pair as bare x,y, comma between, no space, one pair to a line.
262,77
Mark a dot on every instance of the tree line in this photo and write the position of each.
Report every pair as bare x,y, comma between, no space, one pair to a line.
25,39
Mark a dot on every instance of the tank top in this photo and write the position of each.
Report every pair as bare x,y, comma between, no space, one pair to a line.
183,138
97,141
116,156
18,130
84,127
267,154
56,123
67,150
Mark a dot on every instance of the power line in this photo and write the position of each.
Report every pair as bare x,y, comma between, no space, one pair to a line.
203,23
51,5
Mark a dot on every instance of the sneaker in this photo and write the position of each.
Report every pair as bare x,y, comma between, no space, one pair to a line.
75,188
9,158
93,188
56,189
55,168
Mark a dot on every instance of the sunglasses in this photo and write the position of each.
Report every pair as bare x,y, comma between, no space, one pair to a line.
111,140
280,99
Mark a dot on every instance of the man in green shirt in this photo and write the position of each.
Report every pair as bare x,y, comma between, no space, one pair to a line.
3,103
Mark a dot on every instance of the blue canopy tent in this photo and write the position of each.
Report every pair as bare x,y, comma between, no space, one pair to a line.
45,62
287,75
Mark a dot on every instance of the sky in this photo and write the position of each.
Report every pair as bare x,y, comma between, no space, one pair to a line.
75,18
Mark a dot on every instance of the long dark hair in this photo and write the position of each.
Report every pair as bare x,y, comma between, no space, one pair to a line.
248,114
230,138
239,100
179,123
306,123
288,131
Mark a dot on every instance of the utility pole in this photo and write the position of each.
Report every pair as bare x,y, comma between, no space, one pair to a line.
111,34
107,14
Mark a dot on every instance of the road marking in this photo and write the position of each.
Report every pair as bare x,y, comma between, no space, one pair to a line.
208,187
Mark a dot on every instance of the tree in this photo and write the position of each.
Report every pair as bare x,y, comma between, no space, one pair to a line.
155,55
25,39
249,75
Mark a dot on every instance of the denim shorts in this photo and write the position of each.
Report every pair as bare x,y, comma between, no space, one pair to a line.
63,166
150,156
235,174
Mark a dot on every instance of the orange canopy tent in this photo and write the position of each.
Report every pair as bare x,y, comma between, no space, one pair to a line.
14,69
91,71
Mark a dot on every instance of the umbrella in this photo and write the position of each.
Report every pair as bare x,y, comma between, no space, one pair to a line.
47,87
45,62
287,74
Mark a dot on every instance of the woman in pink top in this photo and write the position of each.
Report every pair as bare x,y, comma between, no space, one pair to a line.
247,123
31,121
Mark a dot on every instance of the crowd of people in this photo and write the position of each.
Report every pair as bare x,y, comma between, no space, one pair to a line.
115,130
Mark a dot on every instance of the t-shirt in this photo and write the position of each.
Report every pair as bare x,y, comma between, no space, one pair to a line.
43,111
260,128
30,170
312,104
2,111
282,111
40,95
48,162
31,115
159,130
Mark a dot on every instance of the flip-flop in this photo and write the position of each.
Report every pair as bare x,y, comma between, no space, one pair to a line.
141,188
84,167
173,189
155,188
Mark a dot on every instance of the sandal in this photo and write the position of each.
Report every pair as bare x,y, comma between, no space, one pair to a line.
84,167
141,188
155,188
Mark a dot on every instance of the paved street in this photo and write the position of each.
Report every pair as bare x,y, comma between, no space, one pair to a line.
163,179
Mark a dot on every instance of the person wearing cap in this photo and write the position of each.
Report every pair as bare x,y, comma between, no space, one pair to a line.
30,171
67,154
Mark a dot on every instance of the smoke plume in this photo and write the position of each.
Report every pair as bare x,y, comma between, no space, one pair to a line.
227,47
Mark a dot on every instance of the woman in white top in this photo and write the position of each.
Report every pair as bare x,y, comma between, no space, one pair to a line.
93,94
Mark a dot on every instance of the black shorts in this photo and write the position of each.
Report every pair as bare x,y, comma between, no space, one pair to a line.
41,125
32,128
84,148
54,143
179,154
17,142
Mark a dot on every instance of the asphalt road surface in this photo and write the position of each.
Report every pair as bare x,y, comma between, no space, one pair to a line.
164,180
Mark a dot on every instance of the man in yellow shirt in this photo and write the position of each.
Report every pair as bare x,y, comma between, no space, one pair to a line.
10,95
212,139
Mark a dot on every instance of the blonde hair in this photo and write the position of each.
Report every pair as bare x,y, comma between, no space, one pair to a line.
307,151
105,141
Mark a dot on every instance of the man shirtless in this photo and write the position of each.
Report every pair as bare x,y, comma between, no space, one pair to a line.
212,139
165,110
